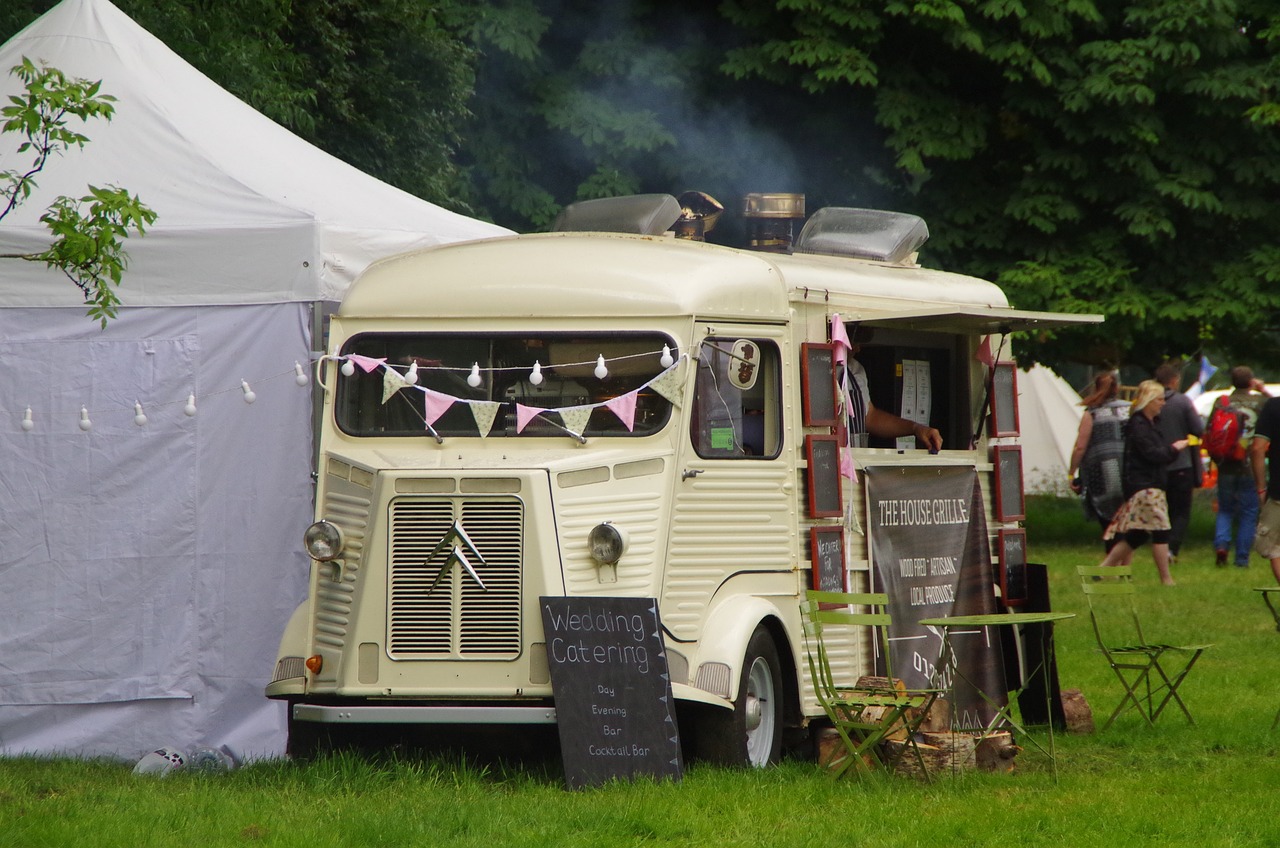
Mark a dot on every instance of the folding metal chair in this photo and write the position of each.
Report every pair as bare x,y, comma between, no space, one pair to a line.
1147,670
864,716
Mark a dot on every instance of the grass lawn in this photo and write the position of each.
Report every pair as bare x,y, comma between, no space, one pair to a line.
1208,785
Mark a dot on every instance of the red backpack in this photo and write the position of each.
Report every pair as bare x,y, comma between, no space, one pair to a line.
1222,434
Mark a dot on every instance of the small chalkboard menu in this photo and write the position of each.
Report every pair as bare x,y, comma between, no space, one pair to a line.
609,676
1004,399
818,384
1012,545
826,554
1009,502
822,453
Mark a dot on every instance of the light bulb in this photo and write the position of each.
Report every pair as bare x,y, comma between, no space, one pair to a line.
473,379
190,408
249,396
300,376
28,423
666,359
139,417
348,368
411,376
601,370
85,423
535,377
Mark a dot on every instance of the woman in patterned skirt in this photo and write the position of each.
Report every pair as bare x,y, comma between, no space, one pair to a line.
1145,512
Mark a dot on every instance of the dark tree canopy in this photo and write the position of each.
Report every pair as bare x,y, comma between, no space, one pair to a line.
1115,157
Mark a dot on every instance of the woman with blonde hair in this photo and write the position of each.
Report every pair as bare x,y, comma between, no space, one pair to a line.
1145,512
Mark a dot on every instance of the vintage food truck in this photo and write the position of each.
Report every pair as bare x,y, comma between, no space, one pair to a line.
591,412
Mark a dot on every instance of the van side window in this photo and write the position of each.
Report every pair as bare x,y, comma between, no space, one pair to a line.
737,402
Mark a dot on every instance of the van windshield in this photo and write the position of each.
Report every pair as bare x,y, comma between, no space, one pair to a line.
517,384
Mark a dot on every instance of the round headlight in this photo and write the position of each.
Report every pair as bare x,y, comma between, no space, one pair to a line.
323,541
607,543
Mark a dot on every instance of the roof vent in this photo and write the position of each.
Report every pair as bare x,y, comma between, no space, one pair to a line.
641,214
864,233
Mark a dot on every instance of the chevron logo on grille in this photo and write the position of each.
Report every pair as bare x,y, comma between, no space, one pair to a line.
461,552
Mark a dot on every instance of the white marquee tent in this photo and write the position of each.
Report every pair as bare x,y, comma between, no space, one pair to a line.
150,568
1049,413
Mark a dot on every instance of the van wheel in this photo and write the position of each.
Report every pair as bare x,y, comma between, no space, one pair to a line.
751,735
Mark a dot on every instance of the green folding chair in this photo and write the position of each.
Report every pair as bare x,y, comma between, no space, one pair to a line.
864,717
1150,672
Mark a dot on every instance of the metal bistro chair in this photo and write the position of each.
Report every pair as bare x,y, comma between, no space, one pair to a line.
1147,670
864,717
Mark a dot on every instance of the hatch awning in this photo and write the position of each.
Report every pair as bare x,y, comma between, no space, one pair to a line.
985,320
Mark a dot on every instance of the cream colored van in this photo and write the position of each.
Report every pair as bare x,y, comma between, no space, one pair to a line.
616,414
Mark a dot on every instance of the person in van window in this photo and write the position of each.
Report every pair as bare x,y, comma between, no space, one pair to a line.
1237,501
1145,513
866,418
1098,454
1179,420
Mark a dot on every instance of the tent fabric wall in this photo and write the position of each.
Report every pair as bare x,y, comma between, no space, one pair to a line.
151,570
1049,413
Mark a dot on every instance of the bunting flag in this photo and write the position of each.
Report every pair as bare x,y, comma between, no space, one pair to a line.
624,406
670,383
368,363
576,417
846,464
484,412
437,404
840,338
392,382
525,414
983,353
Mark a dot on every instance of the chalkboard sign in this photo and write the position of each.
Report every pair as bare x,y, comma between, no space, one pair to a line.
826,553
1004,399
609,676
1012,545
1009,503
823,456
818,384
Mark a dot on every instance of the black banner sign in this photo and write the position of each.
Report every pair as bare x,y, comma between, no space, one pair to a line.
930,554
614,708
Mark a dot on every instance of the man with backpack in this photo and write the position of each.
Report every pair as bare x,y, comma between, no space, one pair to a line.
1226,440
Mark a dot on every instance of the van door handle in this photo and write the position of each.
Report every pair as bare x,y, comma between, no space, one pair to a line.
689,473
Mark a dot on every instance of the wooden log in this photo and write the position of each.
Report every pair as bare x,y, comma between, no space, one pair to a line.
876,714
942,753
870,682
1076,709
996,753
938,718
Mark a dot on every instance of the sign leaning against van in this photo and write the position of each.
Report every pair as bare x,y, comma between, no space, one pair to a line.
930,554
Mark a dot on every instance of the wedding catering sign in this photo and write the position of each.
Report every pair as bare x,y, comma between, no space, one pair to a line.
930,555
612,689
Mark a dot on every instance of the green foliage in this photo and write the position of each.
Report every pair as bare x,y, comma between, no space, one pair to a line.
88,245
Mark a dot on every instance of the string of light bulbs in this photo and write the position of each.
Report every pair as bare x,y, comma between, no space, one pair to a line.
30,415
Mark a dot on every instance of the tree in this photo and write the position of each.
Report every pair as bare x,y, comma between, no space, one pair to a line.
88,231
1117,157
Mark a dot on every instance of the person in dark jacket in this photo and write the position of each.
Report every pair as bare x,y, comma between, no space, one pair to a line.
1145,512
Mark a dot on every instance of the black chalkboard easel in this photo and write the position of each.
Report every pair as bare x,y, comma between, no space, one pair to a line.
609,676
822,455
826,546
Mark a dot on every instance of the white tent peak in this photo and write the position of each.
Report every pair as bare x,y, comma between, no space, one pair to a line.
240,199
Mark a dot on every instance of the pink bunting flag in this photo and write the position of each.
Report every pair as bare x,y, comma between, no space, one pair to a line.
438,404
624,406
368,363
983,354
840,338
525,414
846,464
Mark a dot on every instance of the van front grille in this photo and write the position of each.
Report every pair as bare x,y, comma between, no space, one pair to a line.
437,609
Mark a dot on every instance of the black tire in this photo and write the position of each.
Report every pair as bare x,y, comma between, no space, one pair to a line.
750,735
